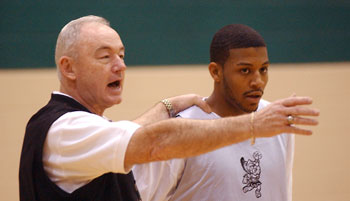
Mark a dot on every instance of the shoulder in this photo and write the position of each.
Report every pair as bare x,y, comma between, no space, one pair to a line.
263,103
84,120
195,112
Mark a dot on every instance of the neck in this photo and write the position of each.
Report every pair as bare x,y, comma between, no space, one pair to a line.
77,97
220,106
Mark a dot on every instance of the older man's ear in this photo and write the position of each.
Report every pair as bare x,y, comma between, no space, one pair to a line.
66,68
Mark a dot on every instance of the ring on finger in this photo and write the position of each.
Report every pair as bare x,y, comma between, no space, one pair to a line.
290,119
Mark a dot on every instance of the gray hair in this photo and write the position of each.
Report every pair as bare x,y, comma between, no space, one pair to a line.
69,35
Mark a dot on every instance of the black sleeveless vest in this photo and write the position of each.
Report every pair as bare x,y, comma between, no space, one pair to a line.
34,184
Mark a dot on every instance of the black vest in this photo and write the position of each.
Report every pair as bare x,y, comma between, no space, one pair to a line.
34,184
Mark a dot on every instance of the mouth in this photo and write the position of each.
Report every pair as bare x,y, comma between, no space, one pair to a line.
253,96
115,84
256,94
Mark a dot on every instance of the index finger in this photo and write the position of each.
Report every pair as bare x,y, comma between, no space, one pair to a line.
296,100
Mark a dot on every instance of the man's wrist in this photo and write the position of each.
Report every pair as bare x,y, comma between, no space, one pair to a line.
169,107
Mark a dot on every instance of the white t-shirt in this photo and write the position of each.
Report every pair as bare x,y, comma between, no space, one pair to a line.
239,172
82,146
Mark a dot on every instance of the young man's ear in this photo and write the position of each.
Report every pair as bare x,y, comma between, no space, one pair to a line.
66,67
215,70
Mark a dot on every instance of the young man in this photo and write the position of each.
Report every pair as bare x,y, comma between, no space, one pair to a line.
71,152
244,171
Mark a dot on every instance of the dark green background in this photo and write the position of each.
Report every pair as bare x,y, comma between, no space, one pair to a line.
178,31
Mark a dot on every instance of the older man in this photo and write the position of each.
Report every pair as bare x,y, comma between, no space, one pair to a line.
71,152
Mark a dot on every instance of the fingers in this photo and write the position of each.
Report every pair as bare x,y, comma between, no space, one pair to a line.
303,121
294,106
183,102
291,128
296,100
202,104
299,110
299,131
273,119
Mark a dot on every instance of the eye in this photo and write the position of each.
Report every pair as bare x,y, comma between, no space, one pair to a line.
104,57
121,56
263,70
245,70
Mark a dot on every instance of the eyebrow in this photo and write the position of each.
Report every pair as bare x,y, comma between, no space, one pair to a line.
249,64
109,48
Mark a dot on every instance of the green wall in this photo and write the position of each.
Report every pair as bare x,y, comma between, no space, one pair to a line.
178,31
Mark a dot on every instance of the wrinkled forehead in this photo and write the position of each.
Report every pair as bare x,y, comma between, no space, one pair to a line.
96,35
98,31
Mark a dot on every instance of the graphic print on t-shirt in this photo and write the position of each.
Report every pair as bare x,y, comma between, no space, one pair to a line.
252,176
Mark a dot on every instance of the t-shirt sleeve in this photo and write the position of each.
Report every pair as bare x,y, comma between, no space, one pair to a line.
81,146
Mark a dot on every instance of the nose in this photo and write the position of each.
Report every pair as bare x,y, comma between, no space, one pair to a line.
118,64
257,81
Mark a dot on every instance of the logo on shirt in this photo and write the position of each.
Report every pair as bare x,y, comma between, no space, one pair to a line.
252,176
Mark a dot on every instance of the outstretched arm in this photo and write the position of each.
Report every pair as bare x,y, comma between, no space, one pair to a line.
180,138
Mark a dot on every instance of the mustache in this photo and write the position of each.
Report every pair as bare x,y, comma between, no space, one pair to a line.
254,90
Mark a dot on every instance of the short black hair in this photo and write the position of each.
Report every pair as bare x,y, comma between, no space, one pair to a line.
231,37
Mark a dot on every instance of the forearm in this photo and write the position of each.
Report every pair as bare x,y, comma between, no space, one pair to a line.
181,138
155,114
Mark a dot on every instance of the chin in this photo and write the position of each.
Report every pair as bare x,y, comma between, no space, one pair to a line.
118,101
250,109
114,101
